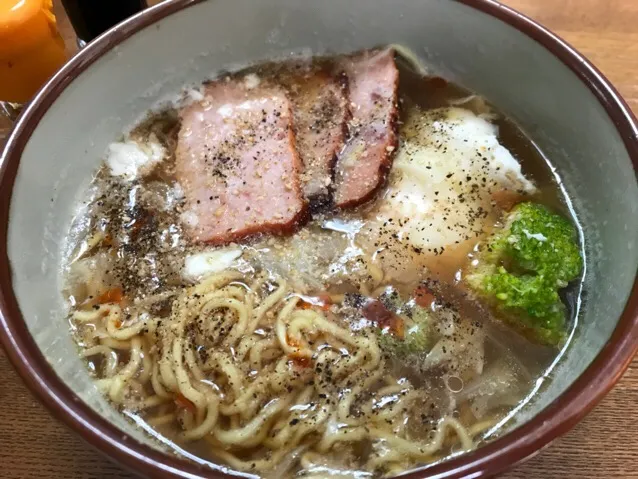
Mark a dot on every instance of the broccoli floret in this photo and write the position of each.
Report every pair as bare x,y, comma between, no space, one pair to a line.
543,242
415,338
522,267
403,328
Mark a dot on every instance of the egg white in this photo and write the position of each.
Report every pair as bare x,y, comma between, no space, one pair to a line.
440,191
211,261
128,159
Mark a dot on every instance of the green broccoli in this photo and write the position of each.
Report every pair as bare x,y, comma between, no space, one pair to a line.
522,267
415,339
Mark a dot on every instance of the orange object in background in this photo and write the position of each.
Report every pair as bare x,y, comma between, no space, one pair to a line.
31,48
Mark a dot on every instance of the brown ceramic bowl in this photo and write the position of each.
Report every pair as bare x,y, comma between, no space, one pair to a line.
566,106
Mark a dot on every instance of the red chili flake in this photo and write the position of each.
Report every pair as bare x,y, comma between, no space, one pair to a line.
423,296
184,403
113,295
376,312
304,304
300,360
326,301
322,302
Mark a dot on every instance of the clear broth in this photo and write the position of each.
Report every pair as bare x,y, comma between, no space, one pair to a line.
130,234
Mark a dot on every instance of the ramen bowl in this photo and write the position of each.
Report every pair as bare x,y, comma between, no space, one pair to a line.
559,99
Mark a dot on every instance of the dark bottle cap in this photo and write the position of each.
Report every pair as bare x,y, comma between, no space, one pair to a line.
92,17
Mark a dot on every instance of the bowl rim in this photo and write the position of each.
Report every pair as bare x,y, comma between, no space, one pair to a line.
520,444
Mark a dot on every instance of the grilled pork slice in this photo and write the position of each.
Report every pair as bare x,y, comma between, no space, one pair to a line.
237,163
367,156
320,120
320,110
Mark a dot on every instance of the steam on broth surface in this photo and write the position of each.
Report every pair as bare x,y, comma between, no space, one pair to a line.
359,341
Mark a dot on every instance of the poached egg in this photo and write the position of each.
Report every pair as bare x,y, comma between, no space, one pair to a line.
441,190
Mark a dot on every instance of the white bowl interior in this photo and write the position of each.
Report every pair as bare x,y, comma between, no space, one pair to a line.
478,51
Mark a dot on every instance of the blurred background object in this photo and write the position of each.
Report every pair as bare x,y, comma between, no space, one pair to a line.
92,17
31,48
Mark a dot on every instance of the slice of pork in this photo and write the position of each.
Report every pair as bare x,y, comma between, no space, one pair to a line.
320,120
237,163
363,163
